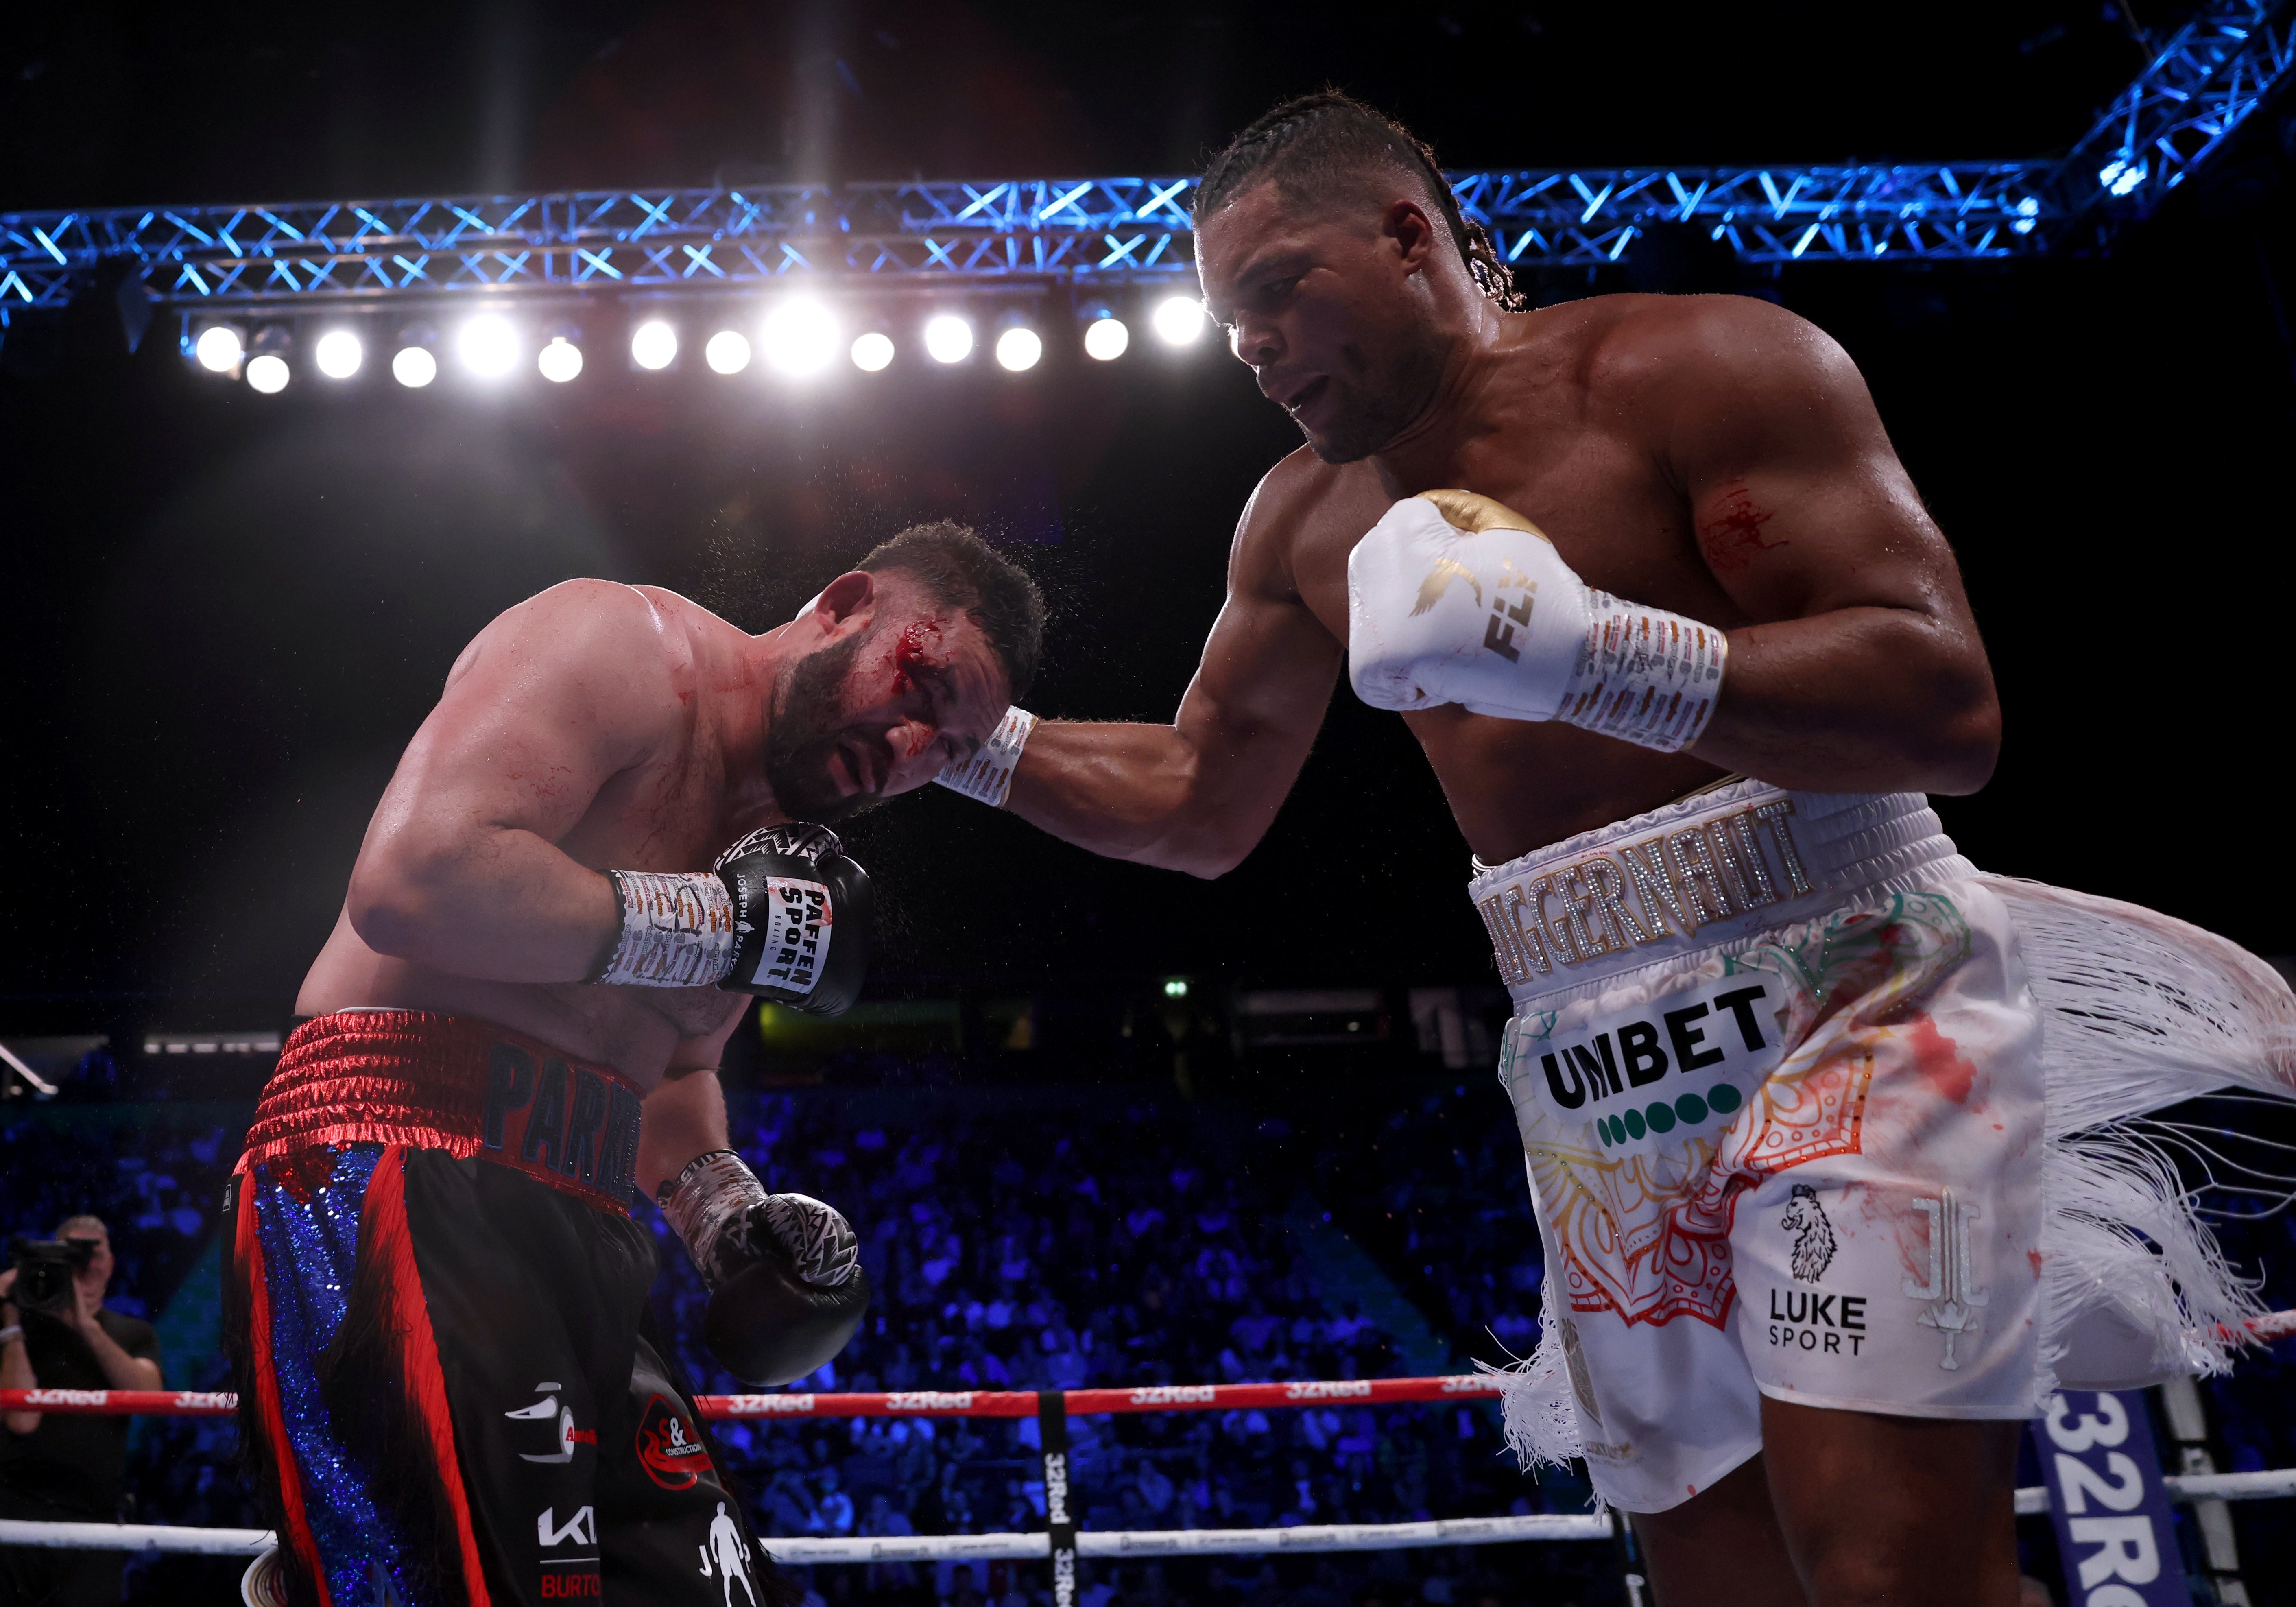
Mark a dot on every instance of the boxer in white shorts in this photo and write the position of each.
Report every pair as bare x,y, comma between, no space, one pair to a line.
1780,1090
1730,574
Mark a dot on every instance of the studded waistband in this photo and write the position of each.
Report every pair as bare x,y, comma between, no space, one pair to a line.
1722,865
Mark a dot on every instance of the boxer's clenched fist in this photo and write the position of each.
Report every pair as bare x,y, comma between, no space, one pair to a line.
786,1285
1453,598
784,914
794,890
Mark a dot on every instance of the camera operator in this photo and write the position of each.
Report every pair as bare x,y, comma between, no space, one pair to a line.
67,1466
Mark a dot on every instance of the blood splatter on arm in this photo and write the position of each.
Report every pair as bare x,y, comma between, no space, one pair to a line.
1731,535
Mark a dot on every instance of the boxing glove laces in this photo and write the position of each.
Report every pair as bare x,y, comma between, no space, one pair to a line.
1453,598
787,1287
784,914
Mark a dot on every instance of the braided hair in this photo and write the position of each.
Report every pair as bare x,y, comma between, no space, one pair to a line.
1320,145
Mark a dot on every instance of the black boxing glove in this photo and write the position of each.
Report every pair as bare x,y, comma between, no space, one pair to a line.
793,888
784,914
786,1288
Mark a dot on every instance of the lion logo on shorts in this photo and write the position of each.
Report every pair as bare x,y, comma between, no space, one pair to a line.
1806,1219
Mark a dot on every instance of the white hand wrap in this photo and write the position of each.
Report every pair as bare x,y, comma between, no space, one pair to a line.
988,775
677,930
708,1202
1490,618
711,1203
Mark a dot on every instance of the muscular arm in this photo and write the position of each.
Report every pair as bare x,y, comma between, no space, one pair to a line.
460,869
1198,794
1868,673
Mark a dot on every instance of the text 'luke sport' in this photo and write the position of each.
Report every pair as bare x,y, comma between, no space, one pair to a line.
1803,1319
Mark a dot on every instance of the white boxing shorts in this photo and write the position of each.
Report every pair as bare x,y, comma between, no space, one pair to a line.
1782,1085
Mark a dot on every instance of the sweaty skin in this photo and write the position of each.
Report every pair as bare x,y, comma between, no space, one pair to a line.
1713,456
599,726
1709,454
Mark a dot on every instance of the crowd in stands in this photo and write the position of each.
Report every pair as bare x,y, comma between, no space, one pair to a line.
1087,1244
155,1178
1022,1239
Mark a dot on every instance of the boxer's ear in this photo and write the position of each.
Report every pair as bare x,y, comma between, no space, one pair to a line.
849,598
1414,233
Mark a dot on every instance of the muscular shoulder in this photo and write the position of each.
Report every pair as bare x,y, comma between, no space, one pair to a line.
1702,373
641,637
1299,504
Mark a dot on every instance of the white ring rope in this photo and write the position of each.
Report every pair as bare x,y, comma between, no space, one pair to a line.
2269,1485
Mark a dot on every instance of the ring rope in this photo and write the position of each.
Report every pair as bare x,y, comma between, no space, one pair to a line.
1037,1544
888,1402
954,1403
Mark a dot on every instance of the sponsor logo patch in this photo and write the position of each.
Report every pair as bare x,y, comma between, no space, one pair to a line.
1813,1231
1174,1395
1635,1084
549,1409
1806,1320
671,1453
797,933
1953,1302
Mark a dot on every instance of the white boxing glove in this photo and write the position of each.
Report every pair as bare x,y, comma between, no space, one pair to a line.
1453,598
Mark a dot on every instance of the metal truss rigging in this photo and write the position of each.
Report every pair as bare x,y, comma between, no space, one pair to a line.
1086,233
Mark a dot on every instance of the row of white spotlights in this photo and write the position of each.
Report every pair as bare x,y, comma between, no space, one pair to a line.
798,338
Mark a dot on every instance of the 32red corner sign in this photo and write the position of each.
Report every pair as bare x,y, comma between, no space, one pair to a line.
2105,1496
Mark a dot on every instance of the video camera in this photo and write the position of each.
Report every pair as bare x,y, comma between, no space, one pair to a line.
44,1269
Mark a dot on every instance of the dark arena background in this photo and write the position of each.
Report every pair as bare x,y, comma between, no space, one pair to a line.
1099,1126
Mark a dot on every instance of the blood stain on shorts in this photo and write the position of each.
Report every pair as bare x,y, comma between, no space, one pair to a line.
1941,1061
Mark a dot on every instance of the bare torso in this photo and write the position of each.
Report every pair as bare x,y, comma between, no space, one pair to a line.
1586,473
1711,456
672,808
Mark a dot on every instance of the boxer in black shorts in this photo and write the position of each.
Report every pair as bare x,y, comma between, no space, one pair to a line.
449,1389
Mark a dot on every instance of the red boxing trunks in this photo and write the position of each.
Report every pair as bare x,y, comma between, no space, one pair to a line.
471,1089
449,1385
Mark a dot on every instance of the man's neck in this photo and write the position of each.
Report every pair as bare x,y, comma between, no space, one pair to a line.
747,717
1459,409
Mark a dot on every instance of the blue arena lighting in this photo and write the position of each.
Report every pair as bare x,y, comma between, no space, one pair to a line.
2212,73
2195,91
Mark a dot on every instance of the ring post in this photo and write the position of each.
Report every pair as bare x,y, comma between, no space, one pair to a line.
1052,1434
1622,1535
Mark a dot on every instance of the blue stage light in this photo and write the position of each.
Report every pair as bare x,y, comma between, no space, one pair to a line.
2121,175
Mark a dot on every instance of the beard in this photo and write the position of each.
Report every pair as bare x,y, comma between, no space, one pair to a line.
807,704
